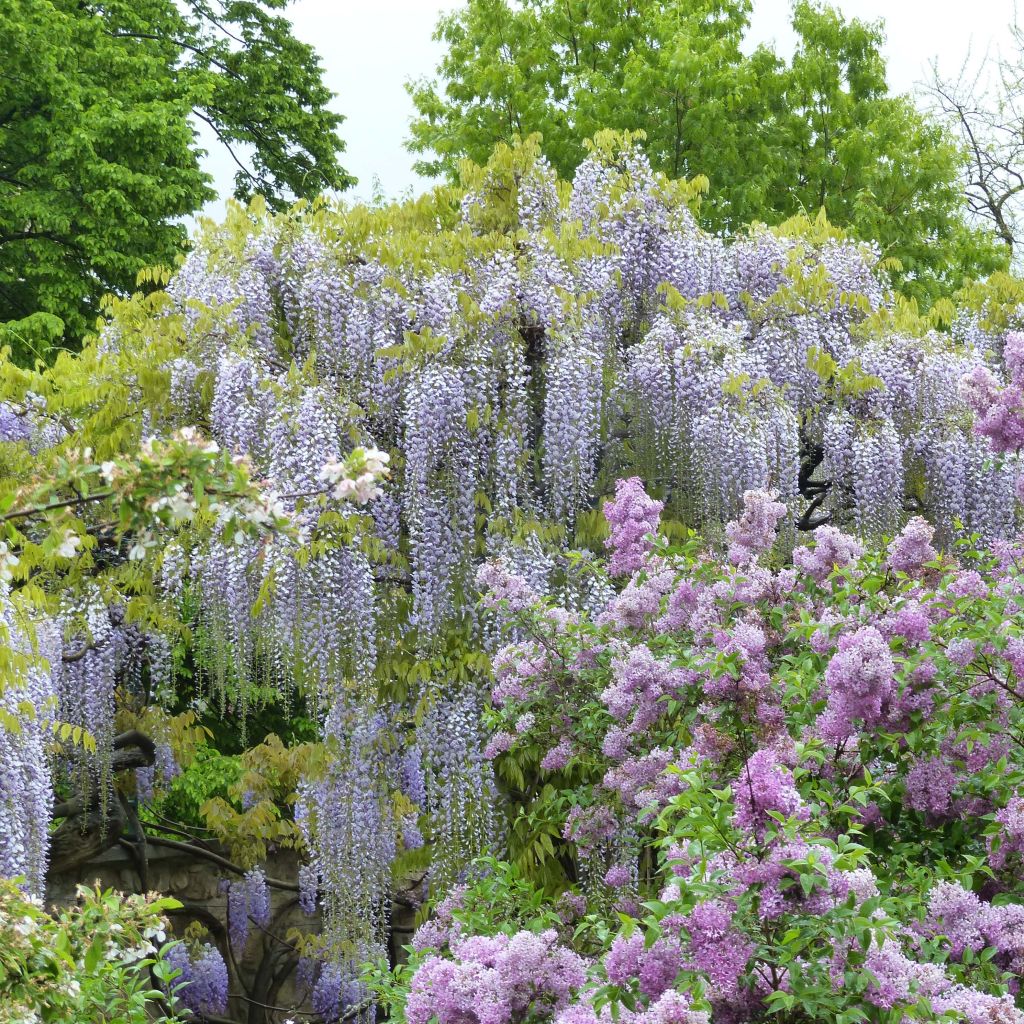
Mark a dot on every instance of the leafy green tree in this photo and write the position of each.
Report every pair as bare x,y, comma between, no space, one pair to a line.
99,158
773,137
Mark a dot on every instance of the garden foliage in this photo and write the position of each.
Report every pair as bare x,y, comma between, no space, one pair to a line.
264,494
785,791
106,958
774,136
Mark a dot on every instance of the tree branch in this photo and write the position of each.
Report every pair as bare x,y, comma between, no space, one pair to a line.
214,858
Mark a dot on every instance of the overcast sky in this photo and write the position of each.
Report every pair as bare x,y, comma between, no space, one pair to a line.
370,48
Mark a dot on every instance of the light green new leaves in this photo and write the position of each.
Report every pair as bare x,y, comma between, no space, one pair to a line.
773,138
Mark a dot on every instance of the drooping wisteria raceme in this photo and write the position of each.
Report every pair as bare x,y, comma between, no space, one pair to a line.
202,977
349,821
28,704
458,786
248,903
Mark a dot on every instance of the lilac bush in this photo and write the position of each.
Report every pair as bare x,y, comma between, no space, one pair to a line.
822,767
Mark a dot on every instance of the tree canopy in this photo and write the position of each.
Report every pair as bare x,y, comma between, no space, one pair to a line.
99,160
774,138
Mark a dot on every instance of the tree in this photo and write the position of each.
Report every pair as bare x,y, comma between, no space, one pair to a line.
983,105
98,153
774,139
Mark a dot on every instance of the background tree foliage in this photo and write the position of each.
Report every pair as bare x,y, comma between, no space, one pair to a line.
984,103
98,150
774,138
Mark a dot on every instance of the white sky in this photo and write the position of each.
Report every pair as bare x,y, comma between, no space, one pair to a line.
369,48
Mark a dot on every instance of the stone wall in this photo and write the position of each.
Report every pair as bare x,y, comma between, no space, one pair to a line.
266,967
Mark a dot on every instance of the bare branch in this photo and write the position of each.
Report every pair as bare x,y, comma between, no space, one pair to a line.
984,105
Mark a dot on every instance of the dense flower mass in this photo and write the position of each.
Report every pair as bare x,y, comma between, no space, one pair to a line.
28,701
913,547
861,679
633,517
830,671
755,531
791,749
203,979
494,980
248,902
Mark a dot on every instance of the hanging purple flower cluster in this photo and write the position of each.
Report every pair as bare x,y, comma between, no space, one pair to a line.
14,426
459,786
440,489
248,902
349,823
88,676
162,772
26,785
203,979
338,994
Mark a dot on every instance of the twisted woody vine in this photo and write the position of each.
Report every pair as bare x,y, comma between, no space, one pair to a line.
642,605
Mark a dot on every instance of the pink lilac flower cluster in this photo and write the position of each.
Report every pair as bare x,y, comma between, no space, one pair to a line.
695,664
908,620
714,948
558,756
617,876
500,585
571,906
772,872
1013,652
654,967
519,670
640,683
930,784
754,532
1000,410
969,924
832,550
1010,836
913,547
639,602
860,680
442,928
717,950
632,515
590,827
765,787
495,980
643,780
499,743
